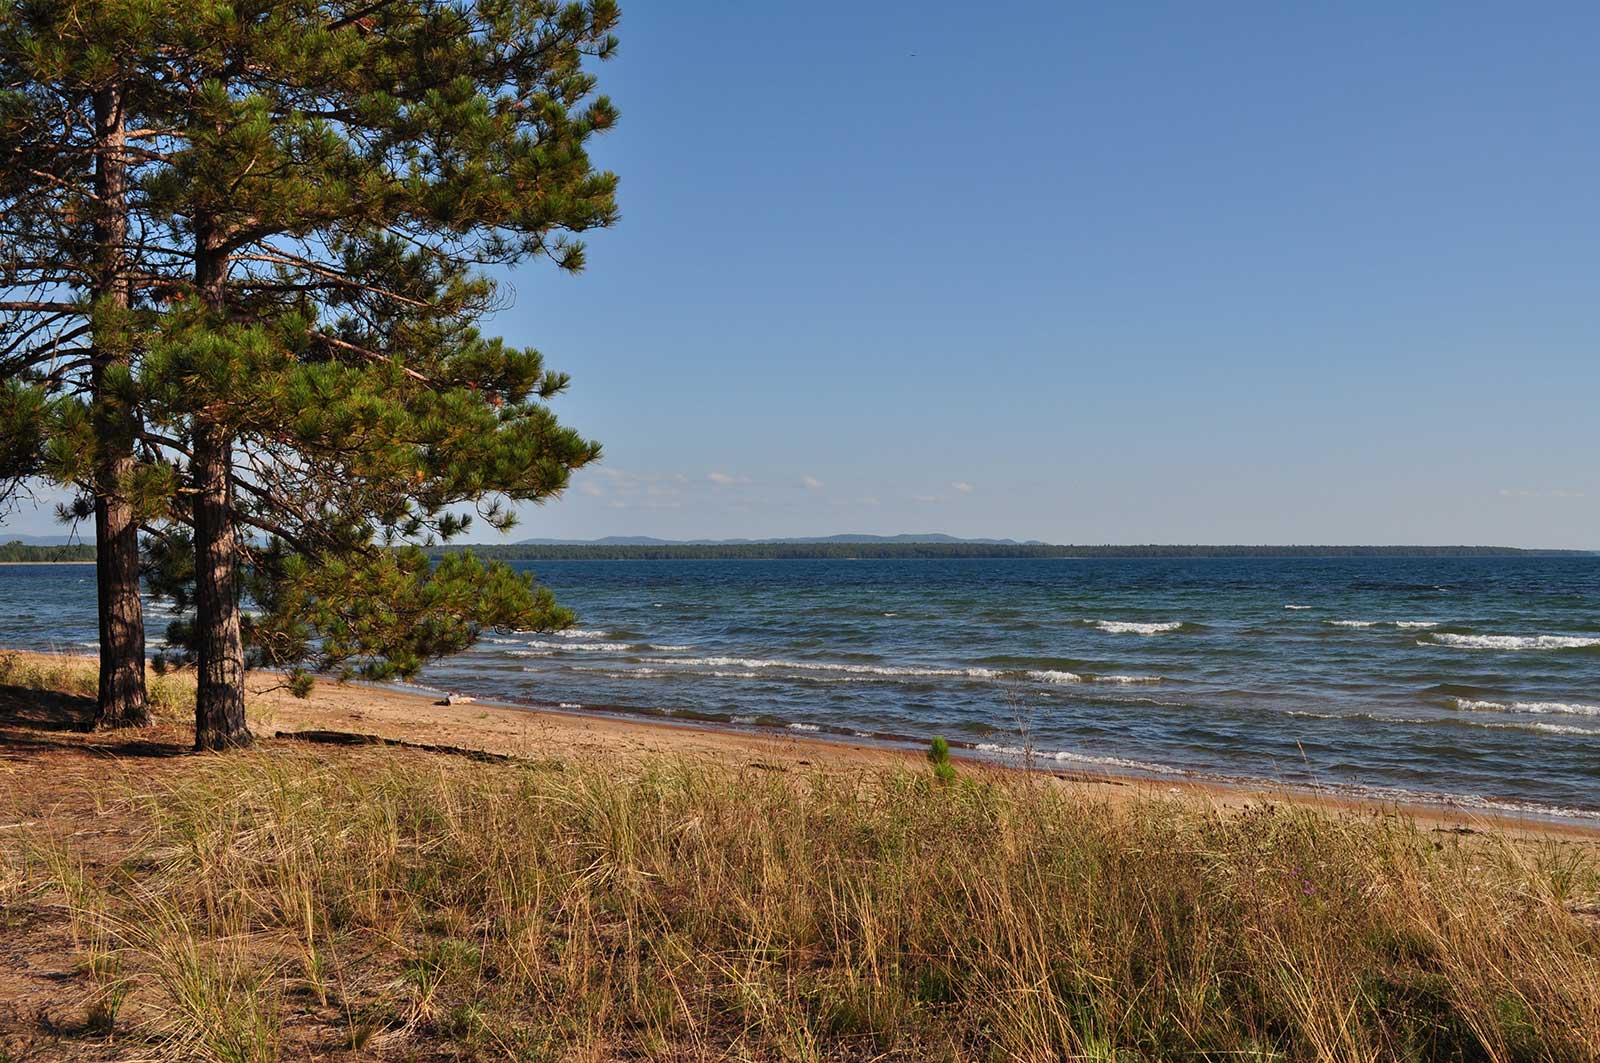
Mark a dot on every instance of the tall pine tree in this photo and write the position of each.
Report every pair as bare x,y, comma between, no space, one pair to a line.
340,174
283,373
77,280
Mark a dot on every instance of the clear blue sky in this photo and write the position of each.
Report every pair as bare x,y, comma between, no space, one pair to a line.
1090,273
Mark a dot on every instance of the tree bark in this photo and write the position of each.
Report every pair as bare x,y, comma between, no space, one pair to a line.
219,720
122,701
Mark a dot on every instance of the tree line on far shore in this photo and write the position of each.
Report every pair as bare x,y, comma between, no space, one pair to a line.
780,551
243,264
16,550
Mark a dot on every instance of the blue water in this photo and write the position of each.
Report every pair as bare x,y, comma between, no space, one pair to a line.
1475,680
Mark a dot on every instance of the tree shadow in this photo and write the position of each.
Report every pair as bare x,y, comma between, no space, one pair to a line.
49,719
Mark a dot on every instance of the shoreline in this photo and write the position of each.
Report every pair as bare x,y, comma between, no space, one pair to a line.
1421,805
531,731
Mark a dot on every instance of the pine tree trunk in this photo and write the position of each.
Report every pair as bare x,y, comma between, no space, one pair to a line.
122,701
219,721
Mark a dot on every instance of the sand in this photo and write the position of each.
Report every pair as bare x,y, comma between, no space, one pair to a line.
381,713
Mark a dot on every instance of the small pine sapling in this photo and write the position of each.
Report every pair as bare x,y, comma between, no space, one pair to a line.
939,757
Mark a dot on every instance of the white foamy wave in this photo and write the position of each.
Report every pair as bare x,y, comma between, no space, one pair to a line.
668,649
1297,607
1511,642
1550,728
1560,708
587,647
744,719
581,633
1127,679
1049,676
1352,623
1064,756
503,642
1534,725
569,705
1128,627
1414,624
822,666
803,727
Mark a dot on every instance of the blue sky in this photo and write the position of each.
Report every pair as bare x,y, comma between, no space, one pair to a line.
1090,273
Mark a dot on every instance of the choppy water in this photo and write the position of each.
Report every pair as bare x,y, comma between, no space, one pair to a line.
1474,679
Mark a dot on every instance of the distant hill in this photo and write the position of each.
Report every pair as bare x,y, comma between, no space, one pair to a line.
925,547
645,540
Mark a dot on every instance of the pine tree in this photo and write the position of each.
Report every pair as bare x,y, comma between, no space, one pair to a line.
287,343
68,187
338,174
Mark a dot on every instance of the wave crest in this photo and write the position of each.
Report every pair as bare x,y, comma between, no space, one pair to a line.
1511,642
1129,627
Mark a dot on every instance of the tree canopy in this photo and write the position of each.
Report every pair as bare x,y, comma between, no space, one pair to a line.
312,193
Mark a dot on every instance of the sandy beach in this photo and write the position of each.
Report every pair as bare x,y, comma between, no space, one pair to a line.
353,712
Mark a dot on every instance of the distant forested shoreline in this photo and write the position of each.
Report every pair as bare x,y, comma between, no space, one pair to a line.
19,551
780,551
13,552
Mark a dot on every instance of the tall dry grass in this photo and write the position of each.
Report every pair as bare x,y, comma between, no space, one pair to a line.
397,904
171,696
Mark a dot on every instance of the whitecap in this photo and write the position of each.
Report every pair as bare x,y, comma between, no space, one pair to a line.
569,705
1051,676
1512,642
1128,627
1560,708
586,647
1352,623
1127,679
822,666
1297,607
803,727
1414,624
1064,756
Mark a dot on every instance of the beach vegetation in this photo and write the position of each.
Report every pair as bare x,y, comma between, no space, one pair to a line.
408,905
939,757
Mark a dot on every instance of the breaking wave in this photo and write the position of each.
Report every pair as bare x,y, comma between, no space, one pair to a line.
1065,756
1512,642
1560,708
1129,627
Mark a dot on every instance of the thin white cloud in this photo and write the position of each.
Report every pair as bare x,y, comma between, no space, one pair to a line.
629,490
811,483
722,478
962,486
926,499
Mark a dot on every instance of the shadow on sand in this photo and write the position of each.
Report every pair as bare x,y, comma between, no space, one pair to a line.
43,719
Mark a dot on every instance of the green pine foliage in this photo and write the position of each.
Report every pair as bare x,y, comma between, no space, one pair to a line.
315,189
939,757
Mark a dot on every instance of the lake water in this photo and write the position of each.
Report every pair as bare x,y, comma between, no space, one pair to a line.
1475,680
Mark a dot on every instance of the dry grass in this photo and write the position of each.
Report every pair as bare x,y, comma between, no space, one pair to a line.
388,904
400,905
171,696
